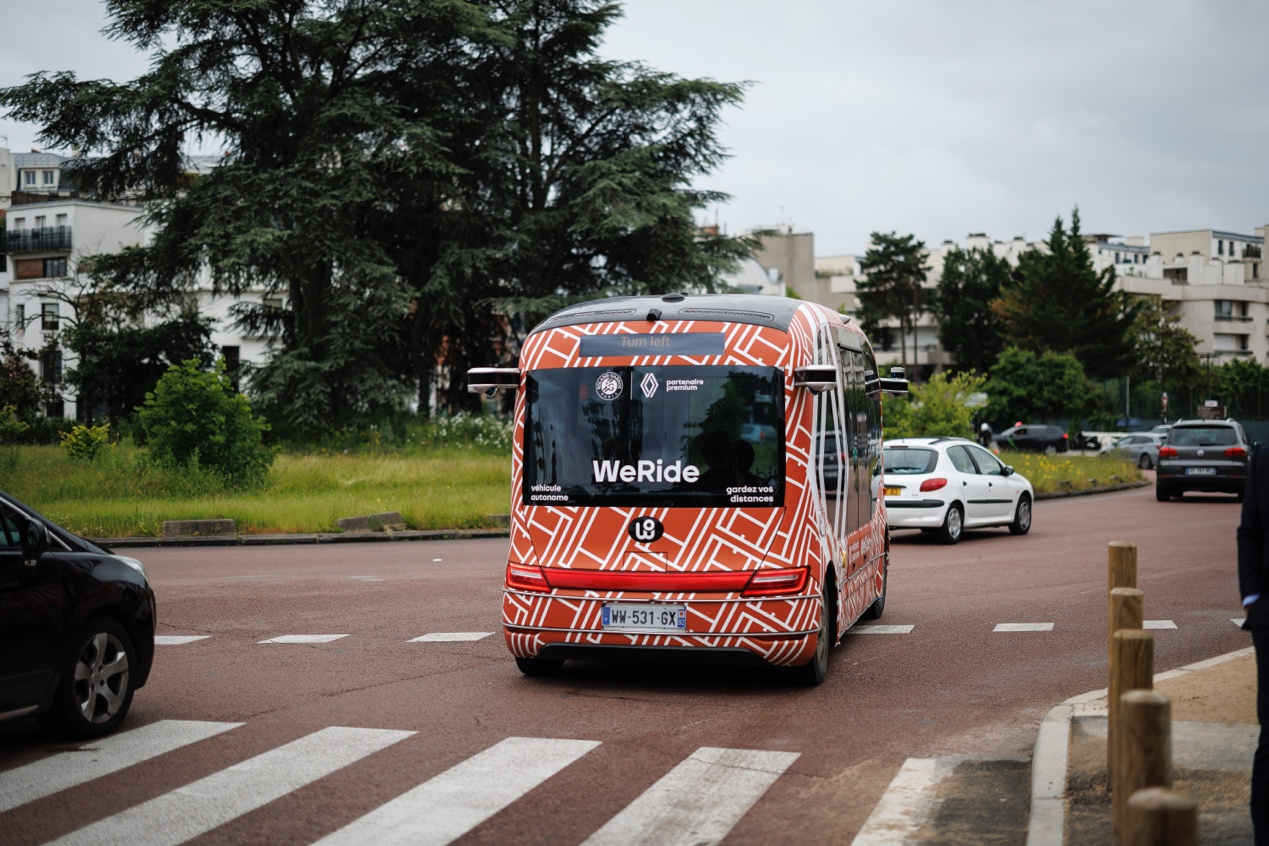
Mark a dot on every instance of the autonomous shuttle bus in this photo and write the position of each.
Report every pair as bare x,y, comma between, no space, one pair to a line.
694,478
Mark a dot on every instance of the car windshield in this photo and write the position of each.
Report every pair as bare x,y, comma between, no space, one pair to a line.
1202,436
668,436
909,461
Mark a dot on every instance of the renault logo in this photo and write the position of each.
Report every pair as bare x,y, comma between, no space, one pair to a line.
1200,453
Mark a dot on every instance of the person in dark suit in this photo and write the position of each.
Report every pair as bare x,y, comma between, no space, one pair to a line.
1253,564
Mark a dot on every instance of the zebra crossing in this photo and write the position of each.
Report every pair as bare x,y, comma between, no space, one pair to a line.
697,802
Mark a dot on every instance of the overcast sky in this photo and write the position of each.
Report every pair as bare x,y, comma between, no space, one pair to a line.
929,117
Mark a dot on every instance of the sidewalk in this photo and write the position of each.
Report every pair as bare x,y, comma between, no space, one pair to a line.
1214,734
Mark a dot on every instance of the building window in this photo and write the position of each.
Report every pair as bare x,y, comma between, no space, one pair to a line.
51,366
1255,270
61,220
55,267
48,177
28,268
19,223
21,322
1220,248
28,177
232,361
49,318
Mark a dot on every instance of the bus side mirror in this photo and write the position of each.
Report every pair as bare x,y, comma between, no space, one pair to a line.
488,380
819,377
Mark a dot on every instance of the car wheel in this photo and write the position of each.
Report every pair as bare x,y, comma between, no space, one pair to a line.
1051,449
813,672
1022,517
540,666
95,691
1161,493
953,525
878,607
1144,462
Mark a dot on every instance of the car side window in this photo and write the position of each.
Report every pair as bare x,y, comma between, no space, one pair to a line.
987,463
9,536
960,459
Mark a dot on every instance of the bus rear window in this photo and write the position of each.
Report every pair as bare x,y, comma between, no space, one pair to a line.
660,436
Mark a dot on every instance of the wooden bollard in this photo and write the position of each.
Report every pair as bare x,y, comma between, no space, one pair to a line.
1122,569
1131,668
1126,613
1145,752
1158,816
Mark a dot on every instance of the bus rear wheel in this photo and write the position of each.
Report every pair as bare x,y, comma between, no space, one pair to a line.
813,672
540,666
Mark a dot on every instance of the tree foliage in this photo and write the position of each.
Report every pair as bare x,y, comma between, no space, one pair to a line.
894,269
939,408
1057,302
968,329
19,386
1164,350
195,418
1027,386
420,182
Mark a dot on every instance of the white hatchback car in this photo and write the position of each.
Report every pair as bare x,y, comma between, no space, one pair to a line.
947,485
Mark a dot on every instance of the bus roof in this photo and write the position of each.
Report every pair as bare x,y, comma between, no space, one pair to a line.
774,312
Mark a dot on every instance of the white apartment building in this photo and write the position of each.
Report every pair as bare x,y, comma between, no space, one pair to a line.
47,231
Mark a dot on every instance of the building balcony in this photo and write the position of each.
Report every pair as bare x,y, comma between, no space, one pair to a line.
44,240
1233,318
1251,252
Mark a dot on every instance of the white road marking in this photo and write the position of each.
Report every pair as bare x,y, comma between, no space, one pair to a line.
94,760
177,640
448,806
445,637
435,560
1158,624
905,804
313,638
880,630
365,578
1238,621
1023,627
215,800
697,802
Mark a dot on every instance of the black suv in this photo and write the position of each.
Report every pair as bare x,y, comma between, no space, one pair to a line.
76,626
1203,455
1034,438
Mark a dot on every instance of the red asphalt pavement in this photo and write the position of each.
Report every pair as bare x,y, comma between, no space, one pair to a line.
950,687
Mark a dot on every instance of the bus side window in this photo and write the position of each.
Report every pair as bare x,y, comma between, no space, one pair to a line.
873,461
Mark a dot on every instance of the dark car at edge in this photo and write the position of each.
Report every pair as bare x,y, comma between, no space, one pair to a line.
76,626
1209,456
1034,438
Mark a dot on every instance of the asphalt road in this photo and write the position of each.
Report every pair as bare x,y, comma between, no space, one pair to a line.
817,760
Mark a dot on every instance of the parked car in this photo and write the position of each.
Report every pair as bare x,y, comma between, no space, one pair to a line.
1203,455
1087,441
947,485
759,433
1141,447
77,628
1034,438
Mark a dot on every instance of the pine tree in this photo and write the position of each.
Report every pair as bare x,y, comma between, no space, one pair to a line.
1057,302
894,268
968,329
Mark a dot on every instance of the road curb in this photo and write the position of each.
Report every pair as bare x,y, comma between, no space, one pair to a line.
1126,486
1047,825
268,540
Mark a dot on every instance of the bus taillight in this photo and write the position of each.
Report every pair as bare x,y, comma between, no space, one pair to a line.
526,577
777,582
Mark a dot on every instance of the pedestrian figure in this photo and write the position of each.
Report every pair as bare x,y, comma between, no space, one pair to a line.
984,435
1253,564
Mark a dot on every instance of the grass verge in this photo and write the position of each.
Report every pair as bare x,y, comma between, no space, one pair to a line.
1069,473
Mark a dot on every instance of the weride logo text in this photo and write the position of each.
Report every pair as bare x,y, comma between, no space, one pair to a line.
644,471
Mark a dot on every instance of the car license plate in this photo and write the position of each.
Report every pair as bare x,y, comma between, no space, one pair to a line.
632,617
893,491
1200,471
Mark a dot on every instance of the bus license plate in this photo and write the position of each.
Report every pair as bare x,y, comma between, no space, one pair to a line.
1200,471
629,617
893,491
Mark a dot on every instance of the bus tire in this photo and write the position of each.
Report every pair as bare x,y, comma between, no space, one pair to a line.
540,666
813,672
878,607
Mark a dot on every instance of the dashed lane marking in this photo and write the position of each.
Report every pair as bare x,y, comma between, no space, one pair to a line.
449,637
309,638
103,757
448,806
697,802
1023,627
210,802
177,640
365,579
1158,624
880,630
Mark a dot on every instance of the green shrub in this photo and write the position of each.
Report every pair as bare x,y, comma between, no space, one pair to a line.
84,442
469,431
939,408
194,419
